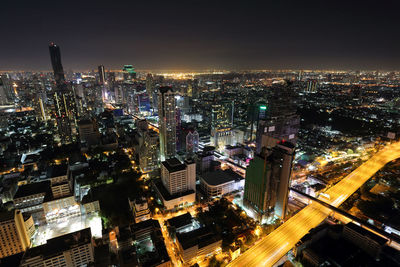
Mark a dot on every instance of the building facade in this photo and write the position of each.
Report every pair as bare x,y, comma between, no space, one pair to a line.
14,237
267,182
167,122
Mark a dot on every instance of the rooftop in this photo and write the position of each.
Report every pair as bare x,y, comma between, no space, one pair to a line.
180,220
201,237
59,244
7,215
364,232
220,177
57,170
173,165
165,89
32,189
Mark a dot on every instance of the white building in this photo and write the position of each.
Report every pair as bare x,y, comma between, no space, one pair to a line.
178,183
178,177
219,183
74,249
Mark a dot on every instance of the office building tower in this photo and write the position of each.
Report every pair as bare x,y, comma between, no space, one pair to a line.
178,177
7,93
63,98
150,86
177,186
89,132
221,124
192,142
40,108
58,70
13,233
102,75
3,95
129,73
267,181
140,209
312,86
167,122
281,121
149,152
74,249
256,113
65,113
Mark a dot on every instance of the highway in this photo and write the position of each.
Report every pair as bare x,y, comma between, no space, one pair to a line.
274,246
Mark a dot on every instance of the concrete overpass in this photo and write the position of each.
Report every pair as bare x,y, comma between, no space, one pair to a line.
274,246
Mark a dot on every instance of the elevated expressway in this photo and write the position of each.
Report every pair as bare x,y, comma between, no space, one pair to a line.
274,246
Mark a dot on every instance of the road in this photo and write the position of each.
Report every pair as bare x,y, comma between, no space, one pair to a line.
274,246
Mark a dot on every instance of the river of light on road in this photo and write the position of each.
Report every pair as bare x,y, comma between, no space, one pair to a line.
274,246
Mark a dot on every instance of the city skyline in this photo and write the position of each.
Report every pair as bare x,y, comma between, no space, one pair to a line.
202,35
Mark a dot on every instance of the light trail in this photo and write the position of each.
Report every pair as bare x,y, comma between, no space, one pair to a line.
274,246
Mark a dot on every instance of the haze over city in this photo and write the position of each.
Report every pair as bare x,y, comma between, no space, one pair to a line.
199,35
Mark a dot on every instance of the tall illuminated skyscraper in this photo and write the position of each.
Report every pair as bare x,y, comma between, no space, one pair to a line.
102,74
129,73
267,181
58,70
63,97
150,86
221,124
167,122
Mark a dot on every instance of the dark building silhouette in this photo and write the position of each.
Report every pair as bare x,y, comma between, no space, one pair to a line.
55,56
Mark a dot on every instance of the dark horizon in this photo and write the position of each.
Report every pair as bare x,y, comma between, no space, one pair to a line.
202,35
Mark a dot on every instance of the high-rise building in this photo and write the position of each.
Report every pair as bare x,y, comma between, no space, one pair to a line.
150,86
63,98
167,122
267,181
221,124
149,152
102,74
256,113
89,132
312,86
129,73
178,177
281,121
7,93
192,142
3,95
55,56
13,233
65,113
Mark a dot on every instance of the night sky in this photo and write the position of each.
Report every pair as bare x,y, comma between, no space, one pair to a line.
195,35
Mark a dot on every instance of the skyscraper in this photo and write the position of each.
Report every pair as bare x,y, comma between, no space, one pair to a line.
192,143
167,122
55,56
221,124
102,74
150,87
281,121
148,153
267,181
7,94
63,97
312,86
129,73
